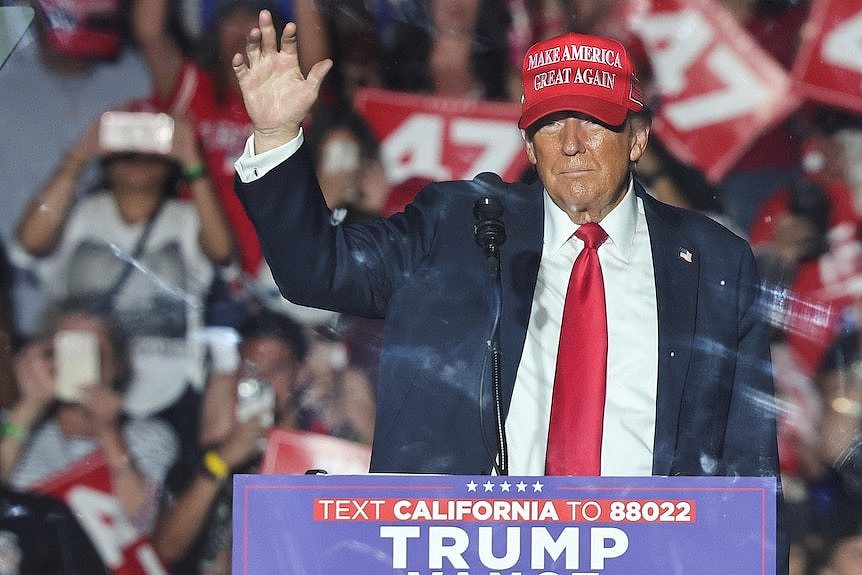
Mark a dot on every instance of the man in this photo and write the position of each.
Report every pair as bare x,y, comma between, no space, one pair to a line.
686,385
689,387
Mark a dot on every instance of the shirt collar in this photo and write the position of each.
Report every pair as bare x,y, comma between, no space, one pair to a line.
620,224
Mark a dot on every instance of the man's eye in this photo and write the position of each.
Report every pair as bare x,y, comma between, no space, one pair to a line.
552,126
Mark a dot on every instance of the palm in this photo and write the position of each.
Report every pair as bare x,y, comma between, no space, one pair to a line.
276,94
266,88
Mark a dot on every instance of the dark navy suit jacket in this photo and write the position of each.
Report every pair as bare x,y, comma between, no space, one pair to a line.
424,273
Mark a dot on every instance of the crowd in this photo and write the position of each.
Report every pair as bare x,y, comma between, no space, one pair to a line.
148,255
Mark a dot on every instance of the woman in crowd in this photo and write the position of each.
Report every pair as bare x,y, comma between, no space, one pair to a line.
55,424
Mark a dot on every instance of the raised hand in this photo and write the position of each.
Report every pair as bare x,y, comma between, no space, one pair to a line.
34,372
104,406
88,147
184,147
277,95
243,441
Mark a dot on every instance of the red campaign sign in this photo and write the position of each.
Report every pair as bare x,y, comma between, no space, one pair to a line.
295,452
443,138
86,489
828,67
718,90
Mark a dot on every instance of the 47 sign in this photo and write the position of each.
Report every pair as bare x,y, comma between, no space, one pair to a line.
717,88
828,67
443,138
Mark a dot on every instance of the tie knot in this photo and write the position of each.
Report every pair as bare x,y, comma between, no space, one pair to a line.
592,235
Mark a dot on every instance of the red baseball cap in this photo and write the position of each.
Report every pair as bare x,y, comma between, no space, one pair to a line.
579,73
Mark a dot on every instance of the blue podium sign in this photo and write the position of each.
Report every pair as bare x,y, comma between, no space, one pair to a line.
481,525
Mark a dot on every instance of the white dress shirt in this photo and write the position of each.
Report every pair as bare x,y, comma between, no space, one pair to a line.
627,268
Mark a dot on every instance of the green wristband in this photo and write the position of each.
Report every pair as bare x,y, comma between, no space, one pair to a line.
15,431
195,172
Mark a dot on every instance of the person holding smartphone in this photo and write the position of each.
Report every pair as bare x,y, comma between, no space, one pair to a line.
253,386
136,245
72,382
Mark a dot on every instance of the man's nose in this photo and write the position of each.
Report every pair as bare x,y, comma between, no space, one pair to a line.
571,137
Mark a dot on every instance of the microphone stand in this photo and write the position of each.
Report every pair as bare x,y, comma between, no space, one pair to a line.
490,235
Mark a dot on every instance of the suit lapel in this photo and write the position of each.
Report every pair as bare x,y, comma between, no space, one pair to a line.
676,264
520,268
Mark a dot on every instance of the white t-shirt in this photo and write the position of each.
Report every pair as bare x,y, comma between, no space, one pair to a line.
161,303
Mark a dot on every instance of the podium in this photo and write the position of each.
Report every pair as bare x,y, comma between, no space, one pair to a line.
489,525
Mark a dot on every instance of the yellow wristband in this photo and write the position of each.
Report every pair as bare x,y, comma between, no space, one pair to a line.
215,466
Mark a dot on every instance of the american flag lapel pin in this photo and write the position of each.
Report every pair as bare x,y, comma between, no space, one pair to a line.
685,254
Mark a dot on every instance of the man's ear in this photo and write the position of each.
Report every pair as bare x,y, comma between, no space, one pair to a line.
528,145
639,138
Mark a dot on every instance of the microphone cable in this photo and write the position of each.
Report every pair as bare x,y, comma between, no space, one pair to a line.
490,235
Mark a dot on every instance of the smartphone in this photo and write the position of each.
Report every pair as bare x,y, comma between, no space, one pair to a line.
340,156
146,132
76,363
255,398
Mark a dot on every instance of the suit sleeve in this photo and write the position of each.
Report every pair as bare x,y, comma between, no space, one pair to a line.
351,269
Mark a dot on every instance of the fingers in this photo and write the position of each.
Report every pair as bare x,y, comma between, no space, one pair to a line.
253,46
288,39
261,42
318,73
238,63
267,30
105,404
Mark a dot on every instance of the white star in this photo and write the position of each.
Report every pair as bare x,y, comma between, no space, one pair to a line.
537,487
505,486
522,487
471,486
489,486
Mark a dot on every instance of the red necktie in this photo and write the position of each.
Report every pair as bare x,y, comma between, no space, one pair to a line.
577,408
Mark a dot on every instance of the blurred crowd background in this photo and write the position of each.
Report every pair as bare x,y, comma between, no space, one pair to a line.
148,251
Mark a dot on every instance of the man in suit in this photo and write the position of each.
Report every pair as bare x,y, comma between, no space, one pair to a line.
688,374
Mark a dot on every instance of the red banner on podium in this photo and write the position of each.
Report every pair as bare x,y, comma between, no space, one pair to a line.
289,452
86,489
828,67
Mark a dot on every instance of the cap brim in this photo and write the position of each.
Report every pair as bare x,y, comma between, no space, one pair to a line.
604,111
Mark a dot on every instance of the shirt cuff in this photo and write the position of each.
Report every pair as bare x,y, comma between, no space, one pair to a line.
250,166
18,256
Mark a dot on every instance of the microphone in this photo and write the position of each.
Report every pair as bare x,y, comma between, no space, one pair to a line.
489,231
